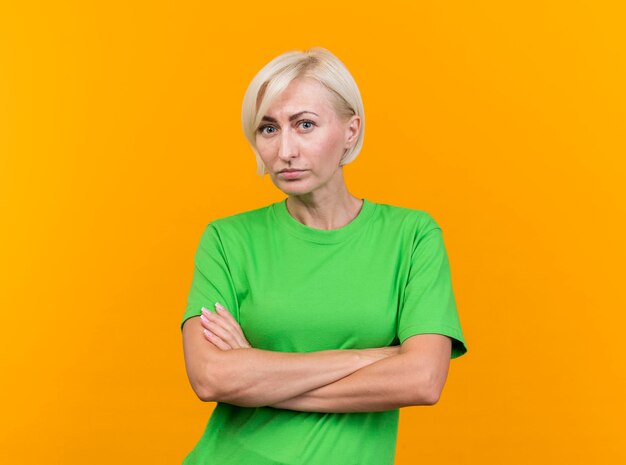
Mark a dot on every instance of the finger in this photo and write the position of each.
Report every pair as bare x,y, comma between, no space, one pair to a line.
220,328
214,330
228,323
223,312
216,341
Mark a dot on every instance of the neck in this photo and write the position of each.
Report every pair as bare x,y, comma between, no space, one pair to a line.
325,211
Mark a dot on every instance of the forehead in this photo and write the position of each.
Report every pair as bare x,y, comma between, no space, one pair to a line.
300,93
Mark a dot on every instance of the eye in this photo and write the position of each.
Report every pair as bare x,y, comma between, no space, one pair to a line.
306,124
270,129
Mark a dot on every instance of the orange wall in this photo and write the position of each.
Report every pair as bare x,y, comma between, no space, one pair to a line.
120,139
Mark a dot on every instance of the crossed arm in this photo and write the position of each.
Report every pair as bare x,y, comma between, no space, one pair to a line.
222,366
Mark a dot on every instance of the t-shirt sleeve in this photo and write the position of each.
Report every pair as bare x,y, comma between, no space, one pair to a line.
212,280
429,305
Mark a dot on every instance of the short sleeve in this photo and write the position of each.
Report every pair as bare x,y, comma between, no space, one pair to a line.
429,305
212,280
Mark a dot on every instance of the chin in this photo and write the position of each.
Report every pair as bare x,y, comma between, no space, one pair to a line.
294,192
293,187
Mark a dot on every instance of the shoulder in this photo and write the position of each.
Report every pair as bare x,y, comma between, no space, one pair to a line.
417,228
241,219
419,221
236,226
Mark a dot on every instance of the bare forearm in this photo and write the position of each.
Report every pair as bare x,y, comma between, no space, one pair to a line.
255,377
391,383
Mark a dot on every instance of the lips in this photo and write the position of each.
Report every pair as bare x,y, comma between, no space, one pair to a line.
291,173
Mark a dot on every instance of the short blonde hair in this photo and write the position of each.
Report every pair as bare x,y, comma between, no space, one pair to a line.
317,63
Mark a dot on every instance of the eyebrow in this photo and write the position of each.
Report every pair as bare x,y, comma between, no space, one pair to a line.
291,118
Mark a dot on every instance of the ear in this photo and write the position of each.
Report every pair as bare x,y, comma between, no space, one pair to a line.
353,128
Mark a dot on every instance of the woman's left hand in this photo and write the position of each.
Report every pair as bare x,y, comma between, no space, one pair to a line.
222,330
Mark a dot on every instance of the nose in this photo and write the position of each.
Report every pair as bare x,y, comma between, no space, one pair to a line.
288,145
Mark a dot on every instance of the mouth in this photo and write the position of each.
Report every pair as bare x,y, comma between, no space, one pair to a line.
291,173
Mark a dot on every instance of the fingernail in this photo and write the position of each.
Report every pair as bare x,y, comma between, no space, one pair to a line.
217,305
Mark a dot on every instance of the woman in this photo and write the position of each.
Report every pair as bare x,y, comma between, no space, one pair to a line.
312,320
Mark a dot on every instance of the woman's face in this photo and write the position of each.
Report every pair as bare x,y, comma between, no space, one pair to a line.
302,132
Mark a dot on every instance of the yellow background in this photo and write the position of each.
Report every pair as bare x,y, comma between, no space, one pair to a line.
120,139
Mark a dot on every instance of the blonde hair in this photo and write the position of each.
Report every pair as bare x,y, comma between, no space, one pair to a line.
317,63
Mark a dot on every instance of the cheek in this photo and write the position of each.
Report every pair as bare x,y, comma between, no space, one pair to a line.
329,147
264,147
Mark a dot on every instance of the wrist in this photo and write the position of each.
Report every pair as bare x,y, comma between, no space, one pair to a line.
374,354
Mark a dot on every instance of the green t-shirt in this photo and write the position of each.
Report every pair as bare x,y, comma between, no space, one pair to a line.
383,277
